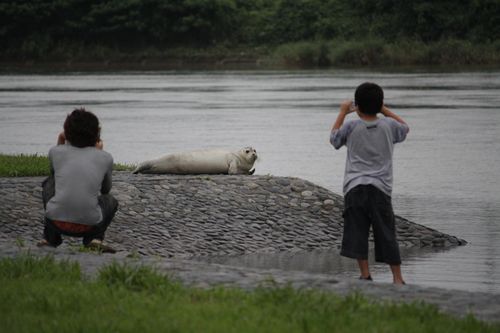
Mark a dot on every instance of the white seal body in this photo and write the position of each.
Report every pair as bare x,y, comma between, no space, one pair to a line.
202,162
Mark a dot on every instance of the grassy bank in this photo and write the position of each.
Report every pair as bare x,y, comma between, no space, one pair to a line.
34,165
41,295
376,52
307,54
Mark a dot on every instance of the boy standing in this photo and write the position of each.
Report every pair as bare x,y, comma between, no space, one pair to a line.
368,178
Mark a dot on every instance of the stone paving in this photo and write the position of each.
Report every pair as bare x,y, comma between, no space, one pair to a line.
167,220
216,215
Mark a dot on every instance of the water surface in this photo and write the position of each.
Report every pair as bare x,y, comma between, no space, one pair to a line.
447,173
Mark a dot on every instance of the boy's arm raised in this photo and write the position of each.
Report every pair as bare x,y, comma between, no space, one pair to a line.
345,109
388,113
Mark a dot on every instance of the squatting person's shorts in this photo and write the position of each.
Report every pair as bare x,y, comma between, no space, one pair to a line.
365,206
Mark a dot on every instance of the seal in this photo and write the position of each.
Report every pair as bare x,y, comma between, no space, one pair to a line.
203,162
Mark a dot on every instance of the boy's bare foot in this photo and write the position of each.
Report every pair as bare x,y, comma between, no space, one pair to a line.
397,277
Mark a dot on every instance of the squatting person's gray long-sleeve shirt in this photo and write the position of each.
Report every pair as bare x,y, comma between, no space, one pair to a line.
81,175
369,151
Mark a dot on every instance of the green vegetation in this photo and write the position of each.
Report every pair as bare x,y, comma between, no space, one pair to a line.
42,295
34,165
294,32
23,165
123,167
380,53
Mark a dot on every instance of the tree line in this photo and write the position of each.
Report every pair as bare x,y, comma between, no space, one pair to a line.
32,27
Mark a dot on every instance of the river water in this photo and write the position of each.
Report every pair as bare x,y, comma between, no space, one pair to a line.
447,173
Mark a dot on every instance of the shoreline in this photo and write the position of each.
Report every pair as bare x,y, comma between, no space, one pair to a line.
444,55
198,274
251,65
174,222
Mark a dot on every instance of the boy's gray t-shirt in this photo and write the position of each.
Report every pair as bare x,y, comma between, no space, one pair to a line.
369,151
81,175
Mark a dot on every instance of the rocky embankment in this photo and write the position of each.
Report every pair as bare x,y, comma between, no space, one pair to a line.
209,215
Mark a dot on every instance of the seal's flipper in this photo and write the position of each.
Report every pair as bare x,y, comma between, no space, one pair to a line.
233,168
251,172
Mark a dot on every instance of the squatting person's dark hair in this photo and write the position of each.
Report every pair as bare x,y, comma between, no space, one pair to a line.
369,98
81,128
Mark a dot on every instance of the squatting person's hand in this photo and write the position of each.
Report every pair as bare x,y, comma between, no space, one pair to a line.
61,139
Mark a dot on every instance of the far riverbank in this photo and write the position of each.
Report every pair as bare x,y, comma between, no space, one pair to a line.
457,55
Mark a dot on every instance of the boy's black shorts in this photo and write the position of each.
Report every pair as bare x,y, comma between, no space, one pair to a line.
365,206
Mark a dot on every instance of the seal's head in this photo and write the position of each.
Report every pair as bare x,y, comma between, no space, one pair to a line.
249,154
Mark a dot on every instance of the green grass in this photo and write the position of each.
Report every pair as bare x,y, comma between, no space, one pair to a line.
123,167
42,295
23,165
34,165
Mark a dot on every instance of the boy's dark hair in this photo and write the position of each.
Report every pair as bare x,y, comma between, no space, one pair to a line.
81,128
369,98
